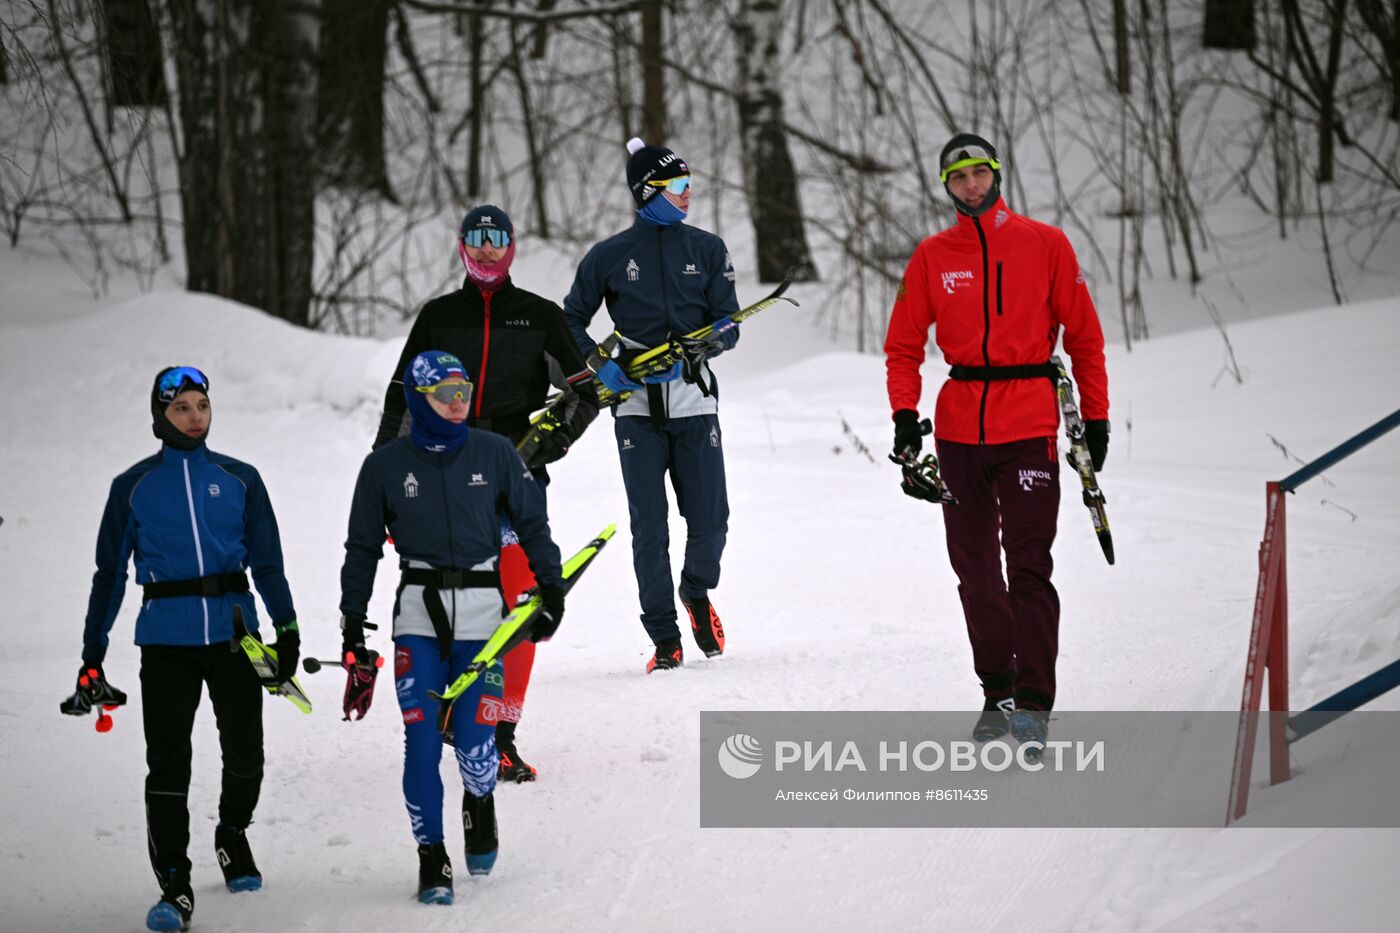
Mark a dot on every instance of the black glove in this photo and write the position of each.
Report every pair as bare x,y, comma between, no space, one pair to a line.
547,622
908,432
92,690
352,638
694,352
1096,438
577,415
288,648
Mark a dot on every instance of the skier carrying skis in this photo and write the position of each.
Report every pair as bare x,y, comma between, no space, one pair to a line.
520,345
196,522
441,493
998,289
661,279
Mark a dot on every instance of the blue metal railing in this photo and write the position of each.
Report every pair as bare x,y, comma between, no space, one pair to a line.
1340,452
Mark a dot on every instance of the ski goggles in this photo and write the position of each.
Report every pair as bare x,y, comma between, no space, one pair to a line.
677,186
178,378
448,392
963,156
480,236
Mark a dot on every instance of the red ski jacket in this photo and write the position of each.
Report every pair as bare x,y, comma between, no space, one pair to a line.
997,289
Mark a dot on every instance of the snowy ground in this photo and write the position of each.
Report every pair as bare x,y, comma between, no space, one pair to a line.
836,595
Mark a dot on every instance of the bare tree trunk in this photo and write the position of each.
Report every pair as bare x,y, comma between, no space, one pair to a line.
350,119
4,64
770,179
532,142
1229,24
1319,78
653,75
476,91
622,41
541,36
246,72
134,61
1122,63
292,33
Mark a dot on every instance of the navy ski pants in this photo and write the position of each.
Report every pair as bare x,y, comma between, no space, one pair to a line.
1008,500
691,451
172,679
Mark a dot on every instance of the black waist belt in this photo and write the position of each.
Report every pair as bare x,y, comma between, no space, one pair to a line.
433,579
215,584
998,373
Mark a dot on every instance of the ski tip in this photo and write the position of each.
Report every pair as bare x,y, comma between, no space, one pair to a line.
1106,541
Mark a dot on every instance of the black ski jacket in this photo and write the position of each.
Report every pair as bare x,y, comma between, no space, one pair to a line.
514,344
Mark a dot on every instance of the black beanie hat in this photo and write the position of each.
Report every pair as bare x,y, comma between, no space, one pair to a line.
183,379
650,163
486,216
969,146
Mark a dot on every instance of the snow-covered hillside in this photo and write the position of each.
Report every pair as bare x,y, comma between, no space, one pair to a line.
836,595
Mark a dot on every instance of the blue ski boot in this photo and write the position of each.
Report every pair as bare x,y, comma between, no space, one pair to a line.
434,874
176,904
479,827
236,859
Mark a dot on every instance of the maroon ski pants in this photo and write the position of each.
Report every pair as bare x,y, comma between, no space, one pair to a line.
1008,500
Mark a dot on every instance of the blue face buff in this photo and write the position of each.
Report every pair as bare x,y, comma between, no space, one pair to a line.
660,211
429,430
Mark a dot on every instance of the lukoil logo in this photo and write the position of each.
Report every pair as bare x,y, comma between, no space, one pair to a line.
741,756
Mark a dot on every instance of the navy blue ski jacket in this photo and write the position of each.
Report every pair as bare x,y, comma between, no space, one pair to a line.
443,509
657,282
183,515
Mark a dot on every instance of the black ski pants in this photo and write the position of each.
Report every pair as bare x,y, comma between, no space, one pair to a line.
172,679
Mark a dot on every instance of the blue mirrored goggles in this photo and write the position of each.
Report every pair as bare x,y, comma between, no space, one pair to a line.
480,236
677,186
178,378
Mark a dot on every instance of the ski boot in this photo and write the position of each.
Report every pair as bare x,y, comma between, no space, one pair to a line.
1030,727
513,768
479,827
705,625
236,859
434,874
667,657
992,723
176,905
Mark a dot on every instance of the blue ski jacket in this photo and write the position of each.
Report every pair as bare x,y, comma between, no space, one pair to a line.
443,510
184,515
658,282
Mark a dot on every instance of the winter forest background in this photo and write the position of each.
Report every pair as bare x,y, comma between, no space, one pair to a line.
311,159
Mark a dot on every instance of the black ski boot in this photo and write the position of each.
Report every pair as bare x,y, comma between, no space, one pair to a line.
176,905
513,768
992,723
479,828
236,859
705,625
667,657
434,874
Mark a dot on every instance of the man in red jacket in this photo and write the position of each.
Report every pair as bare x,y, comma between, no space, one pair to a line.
998,289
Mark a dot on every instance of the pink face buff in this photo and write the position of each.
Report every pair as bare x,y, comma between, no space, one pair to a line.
487,276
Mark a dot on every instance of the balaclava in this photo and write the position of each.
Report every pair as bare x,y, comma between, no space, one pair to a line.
170,382
967,149
487,217
429,430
